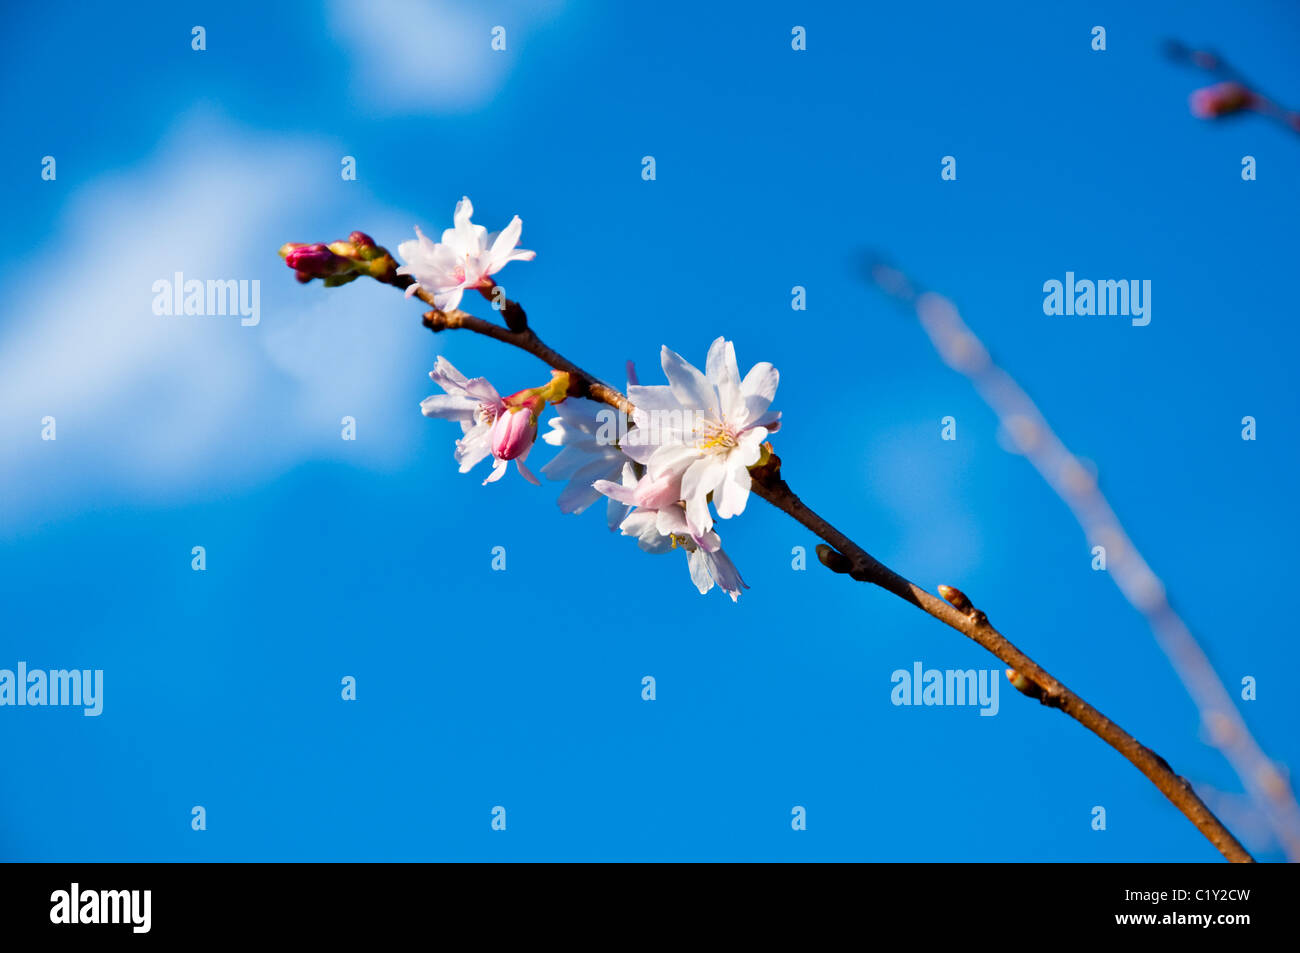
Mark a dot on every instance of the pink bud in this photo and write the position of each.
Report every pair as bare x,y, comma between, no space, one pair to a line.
361,239
315,261
513,433
1219,100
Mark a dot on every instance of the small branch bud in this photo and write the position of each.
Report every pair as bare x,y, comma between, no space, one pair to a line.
1024,685
957,599
515,318
833,559
1220,100
767,470
436,320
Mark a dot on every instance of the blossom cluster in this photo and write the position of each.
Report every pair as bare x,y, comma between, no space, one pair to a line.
691,441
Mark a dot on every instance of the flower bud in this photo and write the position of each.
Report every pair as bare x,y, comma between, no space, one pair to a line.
340,262
956,598
833,559
316,258
1220,99
314,261
513,432
1024,685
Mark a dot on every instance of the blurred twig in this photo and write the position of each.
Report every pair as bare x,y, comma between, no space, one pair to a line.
1024,425
1234,91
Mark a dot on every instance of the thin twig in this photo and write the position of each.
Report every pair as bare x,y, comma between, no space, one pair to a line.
581,384
1025,673
1216,65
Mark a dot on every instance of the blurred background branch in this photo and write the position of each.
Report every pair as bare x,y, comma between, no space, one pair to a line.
1030,434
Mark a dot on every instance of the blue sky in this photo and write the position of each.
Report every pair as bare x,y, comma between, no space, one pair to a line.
372,558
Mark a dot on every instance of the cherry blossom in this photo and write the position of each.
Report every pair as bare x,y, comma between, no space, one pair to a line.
586,454
708,428
659,524
463,260
475,404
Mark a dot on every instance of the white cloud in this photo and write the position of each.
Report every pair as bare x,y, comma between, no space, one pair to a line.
157,408
417,55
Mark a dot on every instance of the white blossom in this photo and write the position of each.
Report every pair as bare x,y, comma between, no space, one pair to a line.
707,428
463,260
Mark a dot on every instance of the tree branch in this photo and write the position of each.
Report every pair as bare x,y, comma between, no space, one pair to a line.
1026,674
849,558
842,555
581,384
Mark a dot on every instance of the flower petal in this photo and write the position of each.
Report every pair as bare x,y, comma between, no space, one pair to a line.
759,389
672,519
698,564
638,448
615,513
574,457
580,492
691,388
732,493
725,573
698,481
498,471
507,238
671,458
652,397
724,375
527,474
615,491
473,447
448,300
449,407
